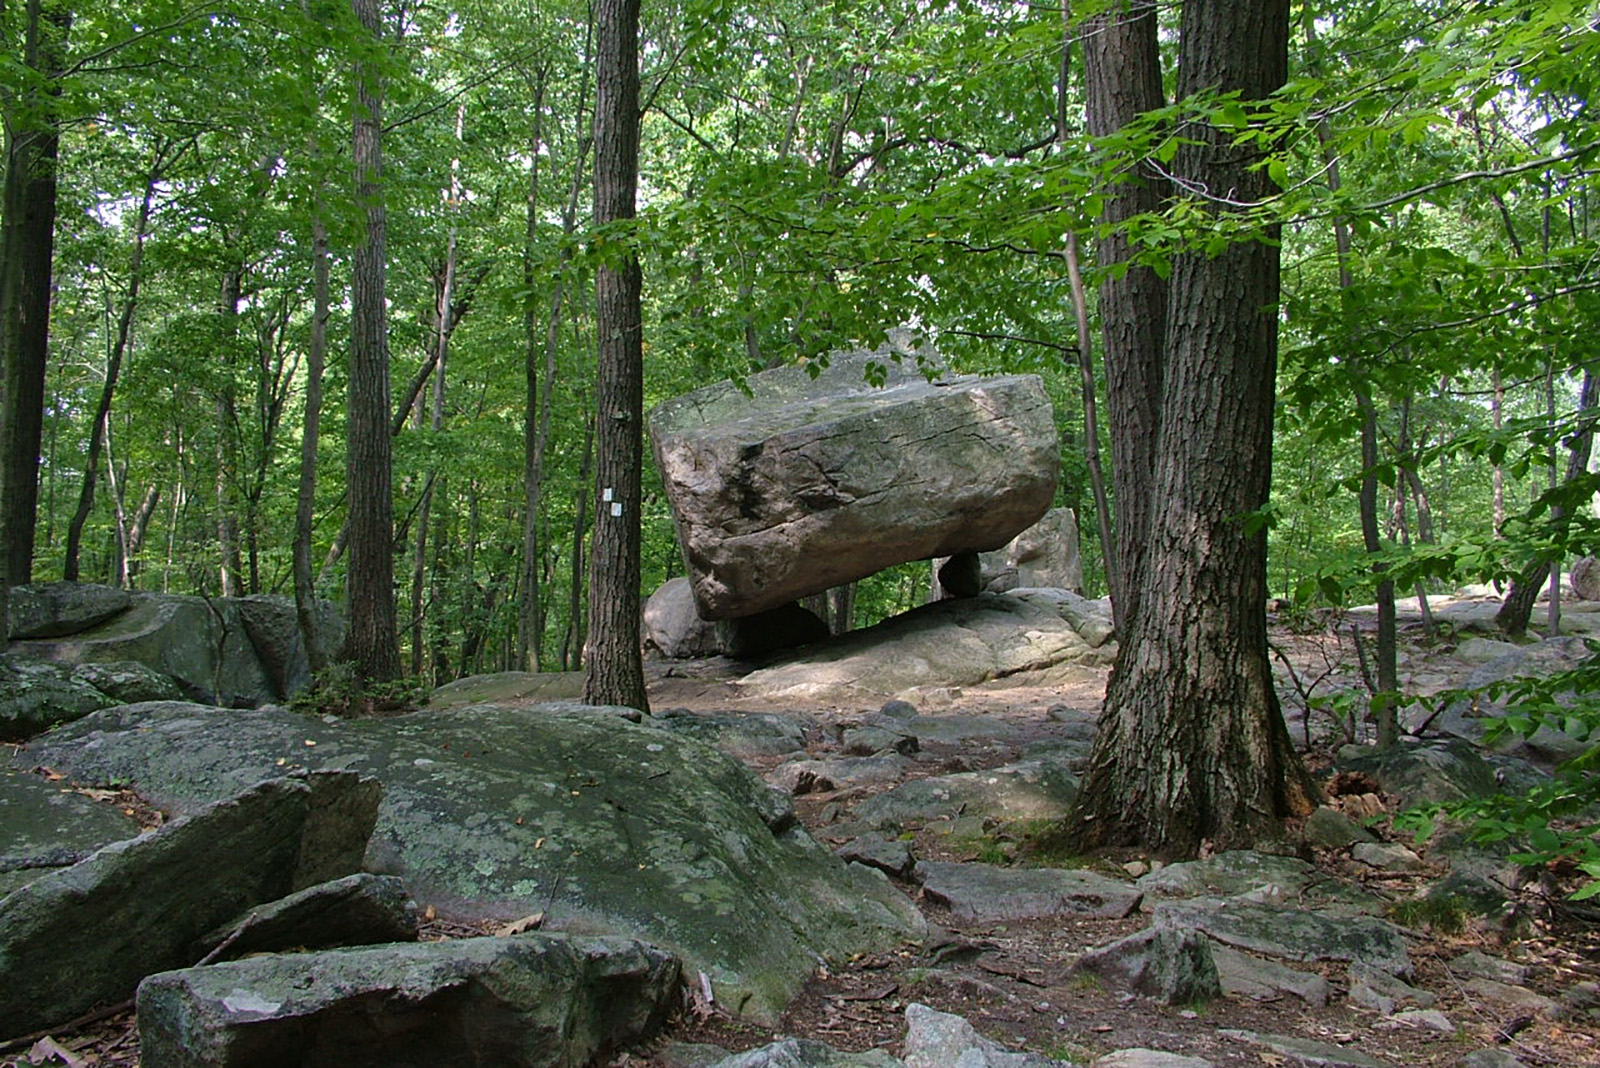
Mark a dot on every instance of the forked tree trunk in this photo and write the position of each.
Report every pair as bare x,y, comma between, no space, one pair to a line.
1192,750
616,672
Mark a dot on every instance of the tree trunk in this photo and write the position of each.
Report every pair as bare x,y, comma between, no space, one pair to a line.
576,637
27,241
229,565
1192,751
1518,607
371,642
616,672
1122,80
136,532
119,349
305,591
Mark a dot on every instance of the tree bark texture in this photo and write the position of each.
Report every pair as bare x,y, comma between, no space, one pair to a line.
1192,749
616,672
1513,616
27,242
1122,80
371,642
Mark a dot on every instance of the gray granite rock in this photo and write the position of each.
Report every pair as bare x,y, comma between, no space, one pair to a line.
1386,856
1034,789
57,609
954,643
82,935
1375,989
940,1040
359,910
1328,828
892,856
1148,1058
1264,980
840,773
1172,966
805,1053
603,824
1292,934
986,893
739,734
48,825
1475,964
36,696
1307,1052
1243,871
526,1001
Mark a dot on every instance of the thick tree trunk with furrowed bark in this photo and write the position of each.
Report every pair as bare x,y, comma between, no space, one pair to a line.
1192,750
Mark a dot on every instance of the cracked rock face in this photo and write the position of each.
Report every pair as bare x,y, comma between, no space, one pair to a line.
806,483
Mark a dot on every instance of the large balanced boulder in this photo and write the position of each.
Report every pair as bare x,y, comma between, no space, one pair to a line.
801,481
78,936
529,1001
600,824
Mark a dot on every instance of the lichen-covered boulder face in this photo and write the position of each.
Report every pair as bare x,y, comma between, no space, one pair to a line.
54,609
529,1001
237,651
600,824
85,934
35,697
803,483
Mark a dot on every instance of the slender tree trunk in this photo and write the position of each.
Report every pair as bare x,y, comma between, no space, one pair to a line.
536,414
1387,655
305,592
616,672
576,638
230,566
1122,80
136,533
1518,607
1497,477
1085,346
371,643
27,242
119,348
442,331
1192,750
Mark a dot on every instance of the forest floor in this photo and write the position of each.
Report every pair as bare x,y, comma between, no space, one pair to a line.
1012,980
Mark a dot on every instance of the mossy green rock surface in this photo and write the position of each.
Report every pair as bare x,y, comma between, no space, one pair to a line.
601,824
531,1001
48,825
